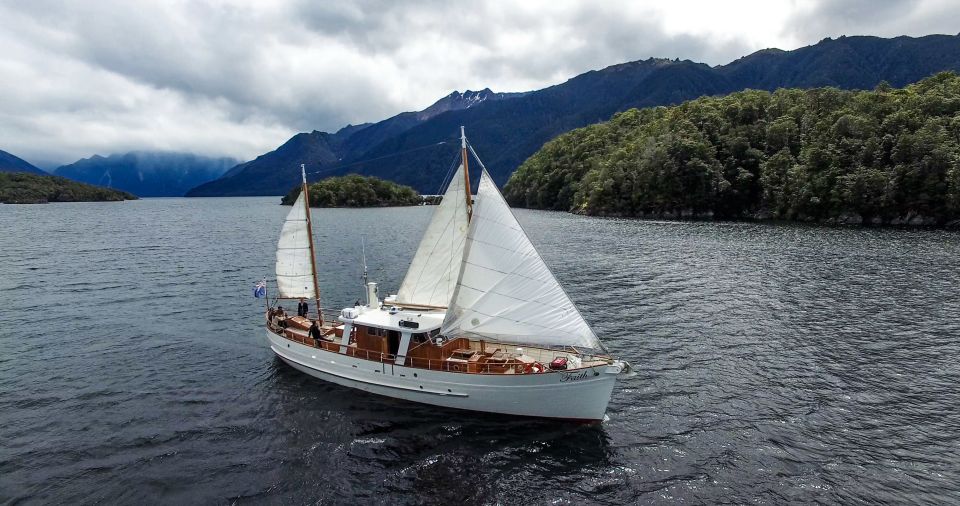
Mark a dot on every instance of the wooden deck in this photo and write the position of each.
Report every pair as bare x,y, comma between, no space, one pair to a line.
460,354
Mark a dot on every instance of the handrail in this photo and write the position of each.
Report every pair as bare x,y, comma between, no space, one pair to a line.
520,367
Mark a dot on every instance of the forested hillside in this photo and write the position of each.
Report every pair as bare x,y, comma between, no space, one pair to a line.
824,154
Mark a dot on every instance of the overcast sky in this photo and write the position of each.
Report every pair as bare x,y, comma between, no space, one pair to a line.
238,78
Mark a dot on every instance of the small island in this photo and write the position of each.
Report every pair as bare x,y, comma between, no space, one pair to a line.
25,188
354,190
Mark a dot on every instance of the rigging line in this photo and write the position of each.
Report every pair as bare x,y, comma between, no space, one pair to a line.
379,158
449,175
482,166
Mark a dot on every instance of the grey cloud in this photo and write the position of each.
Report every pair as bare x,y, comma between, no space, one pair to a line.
885,18
229,78
604,42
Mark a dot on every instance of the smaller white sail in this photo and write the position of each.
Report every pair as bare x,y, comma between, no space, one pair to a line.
505,291
294,269
432,275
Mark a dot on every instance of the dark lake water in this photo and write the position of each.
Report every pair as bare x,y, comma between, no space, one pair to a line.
775,364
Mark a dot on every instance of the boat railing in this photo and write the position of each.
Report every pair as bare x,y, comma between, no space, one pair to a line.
376,356
517,366
508,365
330,314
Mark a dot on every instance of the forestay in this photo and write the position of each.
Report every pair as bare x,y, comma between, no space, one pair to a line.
294,269
505,291
432,275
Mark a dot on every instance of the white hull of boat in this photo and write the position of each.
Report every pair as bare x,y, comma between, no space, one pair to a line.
581,394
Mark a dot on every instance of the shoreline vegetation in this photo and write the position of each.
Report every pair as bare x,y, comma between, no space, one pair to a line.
881,157
354,190
26,188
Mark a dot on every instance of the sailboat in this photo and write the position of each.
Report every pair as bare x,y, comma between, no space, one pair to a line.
478,323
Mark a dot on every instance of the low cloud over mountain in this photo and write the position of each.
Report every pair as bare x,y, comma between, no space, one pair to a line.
238,78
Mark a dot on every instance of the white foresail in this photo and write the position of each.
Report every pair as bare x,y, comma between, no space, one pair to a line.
432,275
294,269
505,291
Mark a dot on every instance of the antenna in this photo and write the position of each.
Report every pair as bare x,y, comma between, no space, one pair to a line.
363,248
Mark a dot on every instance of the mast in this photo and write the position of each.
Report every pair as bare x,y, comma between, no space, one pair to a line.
466,172
313,256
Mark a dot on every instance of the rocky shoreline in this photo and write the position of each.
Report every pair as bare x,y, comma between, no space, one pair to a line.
910,220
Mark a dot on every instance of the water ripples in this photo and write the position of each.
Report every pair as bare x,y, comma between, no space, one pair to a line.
774,364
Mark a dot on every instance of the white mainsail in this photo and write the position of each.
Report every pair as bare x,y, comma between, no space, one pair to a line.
505,292
432,275
294,269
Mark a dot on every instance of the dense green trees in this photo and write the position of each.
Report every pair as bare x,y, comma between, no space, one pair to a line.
24,188
881,156
356,191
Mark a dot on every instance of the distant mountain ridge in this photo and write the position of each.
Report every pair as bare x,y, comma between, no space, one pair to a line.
11,163
416,148
458,101
321,149
147,173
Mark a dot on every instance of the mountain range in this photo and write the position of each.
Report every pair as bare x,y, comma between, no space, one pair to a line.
11,163
147,173
417,148
270,173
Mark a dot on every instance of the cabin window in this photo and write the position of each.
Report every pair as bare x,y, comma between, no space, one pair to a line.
419,337
376,331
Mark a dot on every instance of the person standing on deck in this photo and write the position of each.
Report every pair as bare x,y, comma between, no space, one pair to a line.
315,333
281,317
303,308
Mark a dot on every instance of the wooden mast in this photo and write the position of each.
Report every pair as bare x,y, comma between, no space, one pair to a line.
466,173
313,256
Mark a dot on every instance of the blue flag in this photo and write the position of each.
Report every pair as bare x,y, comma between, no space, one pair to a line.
260,289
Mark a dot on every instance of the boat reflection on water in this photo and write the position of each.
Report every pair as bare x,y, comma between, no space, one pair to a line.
332,436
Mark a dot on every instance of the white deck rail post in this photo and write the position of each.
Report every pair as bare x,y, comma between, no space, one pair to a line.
345,340
402,349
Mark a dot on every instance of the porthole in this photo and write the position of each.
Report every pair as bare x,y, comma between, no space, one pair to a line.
421,387
415,375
